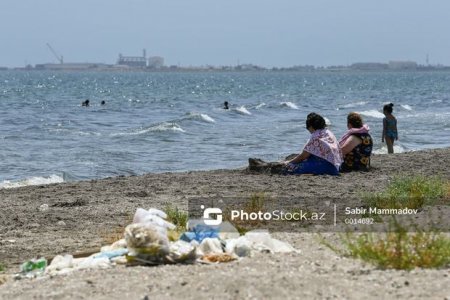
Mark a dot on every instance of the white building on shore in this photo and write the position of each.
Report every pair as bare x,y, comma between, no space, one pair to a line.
155,62
402,65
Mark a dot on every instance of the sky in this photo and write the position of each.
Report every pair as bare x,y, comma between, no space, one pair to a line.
226,32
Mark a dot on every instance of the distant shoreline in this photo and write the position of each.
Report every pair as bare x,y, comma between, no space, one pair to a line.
230,69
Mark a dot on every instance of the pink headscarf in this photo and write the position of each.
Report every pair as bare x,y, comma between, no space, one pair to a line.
324,144
364,129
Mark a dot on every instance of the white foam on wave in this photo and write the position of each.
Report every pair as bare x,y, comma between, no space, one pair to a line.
406,106
327,121
383,150
349,105
201,117
74,132
84,133
162,128
289,104
207,118
260,105
243,110
372,113
6,184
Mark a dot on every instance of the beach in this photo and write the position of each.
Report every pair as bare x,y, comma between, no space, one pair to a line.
82,215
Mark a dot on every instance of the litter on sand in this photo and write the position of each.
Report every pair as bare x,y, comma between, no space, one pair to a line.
146,242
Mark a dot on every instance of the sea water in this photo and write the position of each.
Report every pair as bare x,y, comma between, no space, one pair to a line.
174,121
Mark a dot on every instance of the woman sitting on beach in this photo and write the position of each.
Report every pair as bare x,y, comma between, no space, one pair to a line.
356,145
321,154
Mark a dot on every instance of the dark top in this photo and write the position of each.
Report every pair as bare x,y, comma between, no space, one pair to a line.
359,158
390,126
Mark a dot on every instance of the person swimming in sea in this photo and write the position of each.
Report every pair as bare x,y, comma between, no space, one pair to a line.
85,103
225,105
389,128
103,102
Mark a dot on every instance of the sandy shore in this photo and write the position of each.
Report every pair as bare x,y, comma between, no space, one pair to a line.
82,215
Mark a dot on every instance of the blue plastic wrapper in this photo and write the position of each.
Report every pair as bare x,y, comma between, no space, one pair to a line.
199,233
112,253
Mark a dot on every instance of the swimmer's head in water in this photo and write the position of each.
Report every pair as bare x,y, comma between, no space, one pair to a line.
225,105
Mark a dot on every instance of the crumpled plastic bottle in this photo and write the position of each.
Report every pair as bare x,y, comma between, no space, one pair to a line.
33,267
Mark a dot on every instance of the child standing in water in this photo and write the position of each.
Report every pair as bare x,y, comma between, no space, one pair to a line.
389,128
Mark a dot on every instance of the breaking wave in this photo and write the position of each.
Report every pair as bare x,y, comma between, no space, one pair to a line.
350,105
6,184
243,110
289,104
372,113
200,117
161,127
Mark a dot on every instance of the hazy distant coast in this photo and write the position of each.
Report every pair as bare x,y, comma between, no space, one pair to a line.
360,66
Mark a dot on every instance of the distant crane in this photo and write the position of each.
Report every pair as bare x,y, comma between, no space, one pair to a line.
58,57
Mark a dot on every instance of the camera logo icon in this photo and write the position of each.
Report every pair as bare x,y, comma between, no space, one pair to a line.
208,215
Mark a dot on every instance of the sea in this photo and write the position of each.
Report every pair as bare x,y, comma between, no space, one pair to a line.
156,122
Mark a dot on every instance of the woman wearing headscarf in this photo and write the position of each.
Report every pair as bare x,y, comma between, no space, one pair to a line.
356,145
320,155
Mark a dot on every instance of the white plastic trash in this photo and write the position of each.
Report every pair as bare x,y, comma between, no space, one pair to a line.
153,216
228,231
43,207
92,263
181,252
146,236
259,241
114,246
209,246
240,246
59,263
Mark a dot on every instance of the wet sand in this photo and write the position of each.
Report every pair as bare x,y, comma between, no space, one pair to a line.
82,216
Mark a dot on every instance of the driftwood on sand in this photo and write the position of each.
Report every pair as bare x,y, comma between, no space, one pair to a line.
259,166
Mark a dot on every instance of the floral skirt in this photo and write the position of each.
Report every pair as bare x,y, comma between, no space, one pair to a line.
313,165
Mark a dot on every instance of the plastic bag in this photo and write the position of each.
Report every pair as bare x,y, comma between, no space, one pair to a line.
145,243
200,232
260,241
209,246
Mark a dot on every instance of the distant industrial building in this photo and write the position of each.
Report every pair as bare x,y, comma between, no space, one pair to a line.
369,66
133,61
402,65
71,66
155,62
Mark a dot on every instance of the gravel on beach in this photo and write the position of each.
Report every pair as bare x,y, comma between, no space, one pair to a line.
81,216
